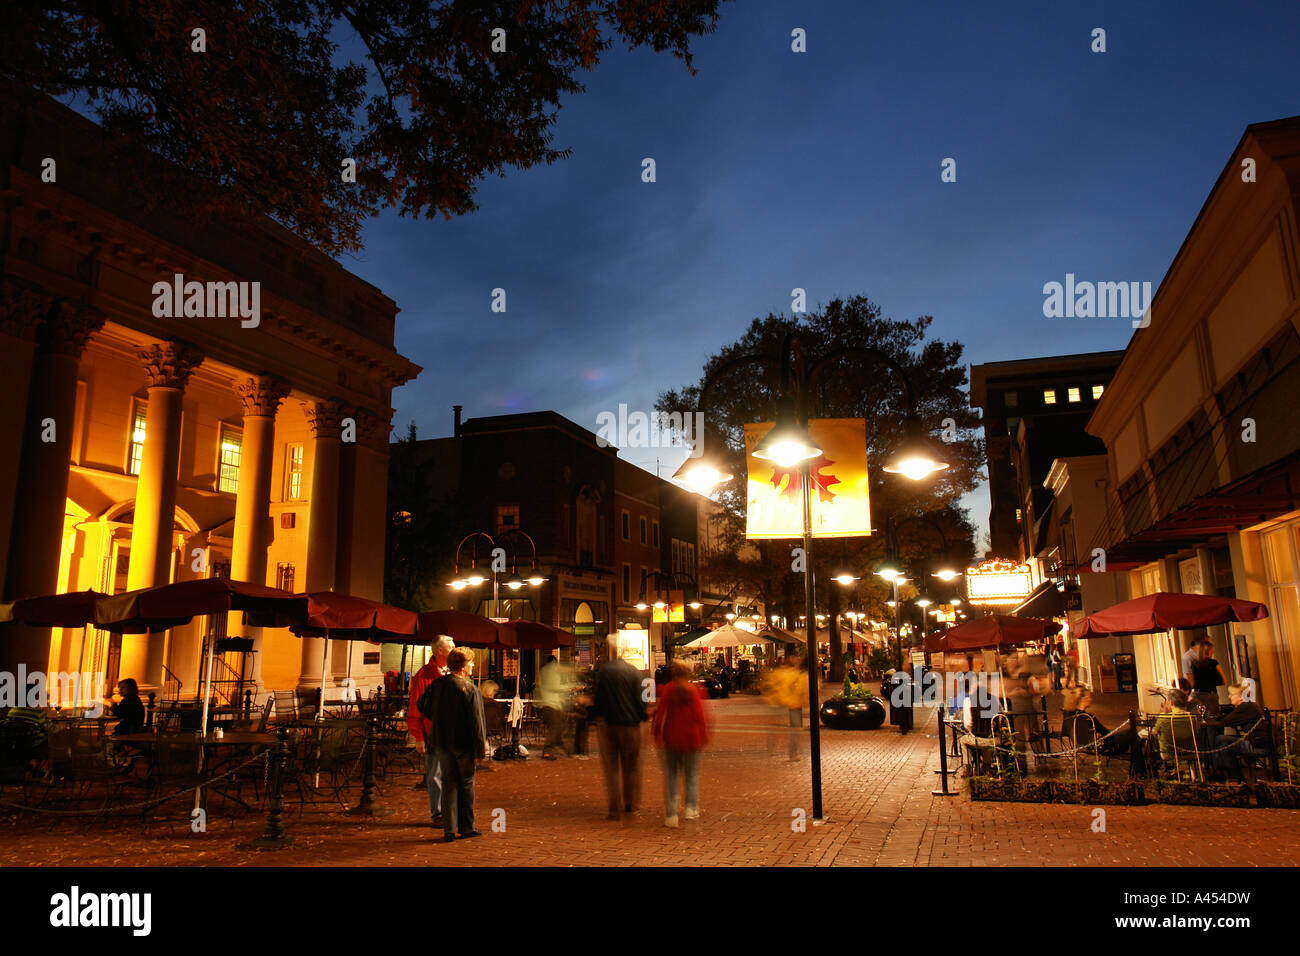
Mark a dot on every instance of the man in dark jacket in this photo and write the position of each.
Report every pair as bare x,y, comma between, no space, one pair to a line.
460,734
621,708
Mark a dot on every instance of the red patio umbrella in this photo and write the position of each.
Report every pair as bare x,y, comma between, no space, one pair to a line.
537,636
349,617
170,605
464,628
75,609
1166,610
996,630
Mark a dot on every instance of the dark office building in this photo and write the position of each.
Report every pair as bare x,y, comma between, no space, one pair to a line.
1034,411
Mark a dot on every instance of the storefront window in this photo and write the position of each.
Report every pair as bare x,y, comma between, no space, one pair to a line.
1280,554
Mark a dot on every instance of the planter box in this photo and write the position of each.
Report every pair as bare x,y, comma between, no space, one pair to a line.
1284,795
1204,794
1012,790
1091,793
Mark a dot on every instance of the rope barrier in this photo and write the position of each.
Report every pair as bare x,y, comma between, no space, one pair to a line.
152,801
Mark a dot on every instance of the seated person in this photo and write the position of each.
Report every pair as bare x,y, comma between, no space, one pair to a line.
1176,728
1250,738
1082,722
129,711
489,690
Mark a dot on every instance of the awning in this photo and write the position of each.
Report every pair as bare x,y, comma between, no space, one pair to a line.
1167,610
781,635
1049,599
689,636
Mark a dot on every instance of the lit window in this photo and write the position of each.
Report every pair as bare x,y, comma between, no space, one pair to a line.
1049,396
228,469
1017,514
284,575
293,472
137,440
1010,399
1074,395
1097,390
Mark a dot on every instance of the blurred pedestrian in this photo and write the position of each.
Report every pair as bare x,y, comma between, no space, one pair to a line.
460,734
900,698
553,699
787,687
619,705
681,730
418,725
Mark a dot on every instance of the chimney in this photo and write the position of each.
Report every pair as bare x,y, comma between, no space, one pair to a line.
456,421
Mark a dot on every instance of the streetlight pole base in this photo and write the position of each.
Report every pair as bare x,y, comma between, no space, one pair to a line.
943,793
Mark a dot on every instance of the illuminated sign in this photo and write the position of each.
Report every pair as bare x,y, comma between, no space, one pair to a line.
997,583
633,645
673,611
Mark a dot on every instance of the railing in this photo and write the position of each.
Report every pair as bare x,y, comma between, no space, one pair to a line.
171,685
227,683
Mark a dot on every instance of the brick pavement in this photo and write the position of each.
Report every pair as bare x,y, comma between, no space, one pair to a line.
876,797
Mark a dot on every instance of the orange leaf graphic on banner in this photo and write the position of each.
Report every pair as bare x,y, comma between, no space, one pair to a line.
793,478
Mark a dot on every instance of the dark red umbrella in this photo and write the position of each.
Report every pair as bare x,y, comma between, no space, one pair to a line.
75,609
464,628
996,630
171,605
353,618
535,635
1165,610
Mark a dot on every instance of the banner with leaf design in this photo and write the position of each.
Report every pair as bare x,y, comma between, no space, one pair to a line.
840,504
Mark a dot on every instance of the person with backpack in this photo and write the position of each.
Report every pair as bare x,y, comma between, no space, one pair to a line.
419,724
681,729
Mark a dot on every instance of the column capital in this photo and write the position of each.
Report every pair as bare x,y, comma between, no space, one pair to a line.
324,418
69,326
169,364
22,307
373,429
261,394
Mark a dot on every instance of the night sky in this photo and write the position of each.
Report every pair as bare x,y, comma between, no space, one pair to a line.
822,170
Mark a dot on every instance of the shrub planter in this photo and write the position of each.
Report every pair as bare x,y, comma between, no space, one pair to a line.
1129,793
852,713
1204,794
1284,795
1012,790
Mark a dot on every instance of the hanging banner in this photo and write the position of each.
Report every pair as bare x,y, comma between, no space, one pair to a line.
673,612
840,504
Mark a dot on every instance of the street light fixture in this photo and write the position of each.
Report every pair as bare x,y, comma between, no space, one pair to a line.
787,442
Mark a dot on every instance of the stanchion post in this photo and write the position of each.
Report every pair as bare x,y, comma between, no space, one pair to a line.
369,805
274,838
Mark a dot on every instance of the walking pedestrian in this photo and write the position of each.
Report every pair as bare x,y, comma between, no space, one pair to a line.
1207,678
418,725
681,730
619,706
900,698
460,734
553,698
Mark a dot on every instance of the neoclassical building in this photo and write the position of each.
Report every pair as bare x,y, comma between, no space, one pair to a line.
144,447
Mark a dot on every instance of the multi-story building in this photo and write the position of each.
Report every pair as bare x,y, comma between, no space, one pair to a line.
600,525
154,440
1202,428
1034,411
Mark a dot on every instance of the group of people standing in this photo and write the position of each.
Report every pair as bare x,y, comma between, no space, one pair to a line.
445,718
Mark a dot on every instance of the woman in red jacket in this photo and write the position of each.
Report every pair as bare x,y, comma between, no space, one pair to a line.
681,729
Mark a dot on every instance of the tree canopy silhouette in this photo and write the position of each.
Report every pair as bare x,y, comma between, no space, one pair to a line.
258,114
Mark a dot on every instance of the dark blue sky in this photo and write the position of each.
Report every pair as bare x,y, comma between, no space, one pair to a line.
822,170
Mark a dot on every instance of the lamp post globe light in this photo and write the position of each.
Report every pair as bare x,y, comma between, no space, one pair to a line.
477,577
789,444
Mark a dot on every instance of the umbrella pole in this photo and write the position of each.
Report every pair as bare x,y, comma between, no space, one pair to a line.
218,629
320,704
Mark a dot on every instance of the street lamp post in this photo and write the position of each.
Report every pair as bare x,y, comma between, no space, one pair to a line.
788,443
475,577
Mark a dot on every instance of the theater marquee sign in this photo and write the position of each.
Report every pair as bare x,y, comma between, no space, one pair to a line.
997,583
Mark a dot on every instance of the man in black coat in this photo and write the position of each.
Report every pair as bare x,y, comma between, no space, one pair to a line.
460,734
621,708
